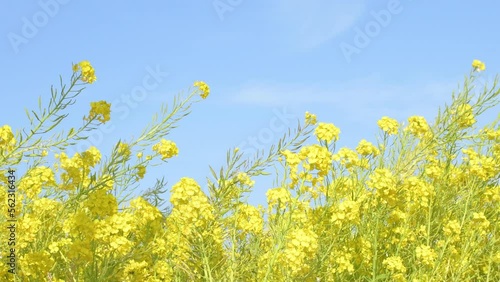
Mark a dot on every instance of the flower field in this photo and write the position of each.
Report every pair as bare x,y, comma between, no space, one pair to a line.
420,204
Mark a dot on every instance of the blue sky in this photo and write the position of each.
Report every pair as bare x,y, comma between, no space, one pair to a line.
349,62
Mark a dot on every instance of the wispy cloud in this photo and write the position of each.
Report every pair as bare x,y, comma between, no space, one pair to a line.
359,98
314,22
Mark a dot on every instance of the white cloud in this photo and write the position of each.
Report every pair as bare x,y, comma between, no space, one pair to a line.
314,22
360,99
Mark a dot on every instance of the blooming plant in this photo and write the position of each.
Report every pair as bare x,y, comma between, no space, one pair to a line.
420,204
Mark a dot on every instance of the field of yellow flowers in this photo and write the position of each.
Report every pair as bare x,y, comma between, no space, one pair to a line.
422,204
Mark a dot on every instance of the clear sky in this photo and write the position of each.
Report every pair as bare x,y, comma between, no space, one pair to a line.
349,62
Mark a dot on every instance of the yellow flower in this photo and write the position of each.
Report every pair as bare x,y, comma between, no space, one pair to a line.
310,118
465,116
277,195
37,265
203,87
87,71
35,180
452,230
124,150
327,132
244,179
426,255
91,157
301,247
144,211
349,158
136,271
366,148
480,222
394,264
141,171
478,65
101,203
346,212
7,140
101,110
418,125
388,125
385,185
318,158
190,203
166,149
490,134
248,219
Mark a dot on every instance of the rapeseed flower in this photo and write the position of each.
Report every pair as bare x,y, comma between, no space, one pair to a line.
311,118
141,171
37,265
203,87
388,125
425,255
190,204
124,150
166,148
452,230
100,110
278,196
347,212
301,247
480,222
87,71
100,203
327,132
417,126
348,158
7,140
465,116
366,148
384,183
341,261
318,158
35,179
478,65
248,219
395,265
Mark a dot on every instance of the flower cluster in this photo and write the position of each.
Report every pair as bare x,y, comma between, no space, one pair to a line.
327,132
465,116
35,179
189,202
478,65
366,148
426,255
203,88
248,219
417,126
388,125
484,167
166,148
7,140
87,71
384,183
347,212
301,246
100,110
311,118
394,265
